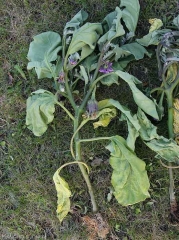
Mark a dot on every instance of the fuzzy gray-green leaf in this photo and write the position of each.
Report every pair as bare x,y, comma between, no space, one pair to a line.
152,38
84,39
130,13
145,103
40,111
75,22
116,29
42,52
129,177
165,148
136,49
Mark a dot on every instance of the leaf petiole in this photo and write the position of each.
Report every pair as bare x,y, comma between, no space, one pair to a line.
66,110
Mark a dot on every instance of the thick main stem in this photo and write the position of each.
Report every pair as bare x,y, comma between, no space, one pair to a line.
82,168
173,202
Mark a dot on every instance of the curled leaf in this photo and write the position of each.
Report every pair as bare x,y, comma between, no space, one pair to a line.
105,117
130,13
75,22
145,103
176,21
40,111
129,177
42,52
165,148
171,73
155,24
63,195
112,23
84,39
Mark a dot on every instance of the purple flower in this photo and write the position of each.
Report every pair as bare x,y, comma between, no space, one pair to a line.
61,78
92,107
106,67
73,59
72,62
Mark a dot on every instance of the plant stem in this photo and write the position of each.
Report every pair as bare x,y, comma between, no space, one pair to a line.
82,168
173,203
94,139
69,93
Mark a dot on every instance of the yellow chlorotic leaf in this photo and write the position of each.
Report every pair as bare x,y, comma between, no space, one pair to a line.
63,195
176,120
172,73
155,24
105,118
103,121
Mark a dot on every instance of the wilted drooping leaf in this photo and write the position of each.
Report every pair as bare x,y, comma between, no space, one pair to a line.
155,24
105,117
130,13
112,22
165,148
126,112
109,80
42,52
40,111
63,195
129,177
133,133
152,38
136,50
172,73
75,22
147,131
84,39
145,103
176,21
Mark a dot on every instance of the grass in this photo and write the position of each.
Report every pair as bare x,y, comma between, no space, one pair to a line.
28,196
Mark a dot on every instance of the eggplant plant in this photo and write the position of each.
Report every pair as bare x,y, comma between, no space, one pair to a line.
90,55
167,53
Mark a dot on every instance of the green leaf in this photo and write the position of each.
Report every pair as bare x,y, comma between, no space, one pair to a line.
147,131
84,39
90,62
136,49
113,103
120,53
75,22
152,38
165,148
84,74
108,21
176,21
133,133
129,177
40,111
123,62
63,195
130,13
109,80
116,28
105,117
42,52
145,103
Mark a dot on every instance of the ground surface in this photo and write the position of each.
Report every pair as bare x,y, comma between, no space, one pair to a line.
28,196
